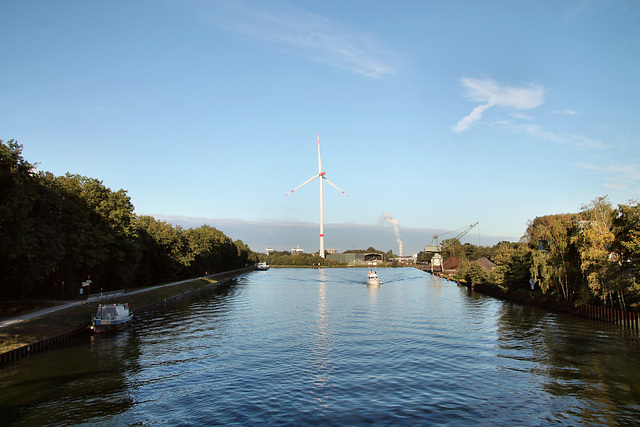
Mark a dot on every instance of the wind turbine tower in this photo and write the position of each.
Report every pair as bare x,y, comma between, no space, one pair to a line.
323,177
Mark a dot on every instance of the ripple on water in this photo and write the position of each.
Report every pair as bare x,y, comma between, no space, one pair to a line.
302,346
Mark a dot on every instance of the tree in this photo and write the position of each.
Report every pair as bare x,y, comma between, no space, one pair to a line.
472,272
626,247
451,248
514,262
103,231
245,255
599,264
556,266
163,251
66,228
212,251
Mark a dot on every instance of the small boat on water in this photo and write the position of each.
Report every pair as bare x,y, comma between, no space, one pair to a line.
110,317
372,278
262,266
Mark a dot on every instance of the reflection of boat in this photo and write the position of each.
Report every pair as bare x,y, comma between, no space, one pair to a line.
262,266
110,317
372,278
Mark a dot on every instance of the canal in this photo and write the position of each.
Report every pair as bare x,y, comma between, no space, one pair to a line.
317,346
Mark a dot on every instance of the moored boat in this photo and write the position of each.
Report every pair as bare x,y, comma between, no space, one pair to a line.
110,317
262,266
372,278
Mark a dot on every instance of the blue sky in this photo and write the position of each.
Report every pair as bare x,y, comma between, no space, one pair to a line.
434,114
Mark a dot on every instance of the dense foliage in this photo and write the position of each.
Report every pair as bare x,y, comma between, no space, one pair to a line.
68,228
587,257
302,259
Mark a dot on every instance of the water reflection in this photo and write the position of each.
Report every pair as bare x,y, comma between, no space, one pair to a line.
322,344
310,346
592,368
33,390
373,291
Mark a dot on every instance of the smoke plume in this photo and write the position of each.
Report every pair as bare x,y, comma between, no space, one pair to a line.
388,218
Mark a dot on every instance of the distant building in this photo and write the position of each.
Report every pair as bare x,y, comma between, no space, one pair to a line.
269,251
331,251
407,259
297,250
373,258
350,258
485,263
358,258
452,264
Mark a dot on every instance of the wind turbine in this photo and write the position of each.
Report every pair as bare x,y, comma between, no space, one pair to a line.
322,176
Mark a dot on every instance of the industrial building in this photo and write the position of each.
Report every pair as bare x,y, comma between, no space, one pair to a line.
358,258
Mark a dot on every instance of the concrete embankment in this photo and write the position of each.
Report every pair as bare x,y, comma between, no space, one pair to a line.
50,328
625,319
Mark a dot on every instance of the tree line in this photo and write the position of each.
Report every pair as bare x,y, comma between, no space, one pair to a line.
70,228
306,259
589,257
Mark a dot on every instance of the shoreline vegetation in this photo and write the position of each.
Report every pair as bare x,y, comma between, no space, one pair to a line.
626,319
66,236
585,258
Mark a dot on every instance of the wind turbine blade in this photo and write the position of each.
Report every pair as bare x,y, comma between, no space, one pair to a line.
319,161
306,182
326,179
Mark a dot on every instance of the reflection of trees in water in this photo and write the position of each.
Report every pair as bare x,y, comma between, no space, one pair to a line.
199,309
93,376
575,358
88,378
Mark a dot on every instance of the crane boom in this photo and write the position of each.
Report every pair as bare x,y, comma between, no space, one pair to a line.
465,231
437,263
438,248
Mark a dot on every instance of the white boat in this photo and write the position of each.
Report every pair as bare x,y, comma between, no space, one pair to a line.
372,278
110,317
262,266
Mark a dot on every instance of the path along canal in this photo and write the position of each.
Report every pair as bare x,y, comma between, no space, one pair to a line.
317,346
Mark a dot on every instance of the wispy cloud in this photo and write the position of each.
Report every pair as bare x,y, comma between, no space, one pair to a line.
580,141
617,176
565,112
306,34
490,94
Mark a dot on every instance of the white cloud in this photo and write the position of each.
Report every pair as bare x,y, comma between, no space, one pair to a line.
617,176
580,141
519,115
490,94
308,35
468,121
565,112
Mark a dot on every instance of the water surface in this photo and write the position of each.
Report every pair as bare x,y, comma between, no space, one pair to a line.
317,346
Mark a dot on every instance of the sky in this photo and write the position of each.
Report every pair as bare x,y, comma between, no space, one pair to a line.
431,115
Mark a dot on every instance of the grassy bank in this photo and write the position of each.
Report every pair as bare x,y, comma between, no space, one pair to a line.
10,309
72,318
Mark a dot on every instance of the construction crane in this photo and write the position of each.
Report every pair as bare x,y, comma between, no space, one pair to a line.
436,260
438,248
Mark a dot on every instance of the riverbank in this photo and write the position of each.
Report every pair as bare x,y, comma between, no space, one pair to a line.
42,331
625,319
